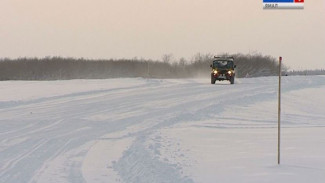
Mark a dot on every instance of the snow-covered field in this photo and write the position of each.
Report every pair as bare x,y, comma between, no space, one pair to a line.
151,130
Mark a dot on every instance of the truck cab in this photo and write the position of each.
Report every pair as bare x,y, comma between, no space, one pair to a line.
223,68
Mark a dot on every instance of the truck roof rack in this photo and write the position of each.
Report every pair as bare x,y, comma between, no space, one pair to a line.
219,57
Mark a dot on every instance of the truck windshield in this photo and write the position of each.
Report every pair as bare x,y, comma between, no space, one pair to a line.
223,64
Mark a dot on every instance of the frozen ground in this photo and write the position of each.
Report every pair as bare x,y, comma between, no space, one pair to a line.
150,130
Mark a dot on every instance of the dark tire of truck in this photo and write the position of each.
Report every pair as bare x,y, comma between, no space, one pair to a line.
213,80
232,80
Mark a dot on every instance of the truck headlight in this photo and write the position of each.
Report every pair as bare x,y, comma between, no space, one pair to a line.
215,72
229,72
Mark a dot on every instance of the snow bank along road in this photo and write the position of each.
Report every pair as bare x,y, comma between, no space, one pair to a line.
150,130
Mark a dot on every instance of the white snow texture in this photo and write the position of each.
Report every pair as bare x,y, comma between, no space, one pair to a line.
153,131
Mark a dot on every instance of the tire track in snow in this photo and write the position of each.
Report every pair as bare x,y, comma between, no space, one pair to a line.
56,129
138,165
11,163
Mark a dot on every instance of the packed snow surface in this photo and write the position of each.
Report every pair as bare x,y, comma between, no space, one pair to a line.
152,130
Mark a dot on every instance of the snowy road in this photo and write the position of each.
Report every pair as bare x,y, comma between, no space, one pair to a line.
151,130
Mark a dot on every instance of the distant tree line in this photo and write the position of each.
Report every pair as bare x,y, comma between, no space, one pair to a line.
58,68
306,72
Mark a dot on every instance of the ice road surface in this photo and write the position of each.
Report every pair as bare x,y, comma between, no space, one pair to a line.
152,130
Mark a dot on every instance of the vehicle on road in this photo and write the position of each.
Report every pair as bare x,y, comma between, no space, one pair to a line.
223,68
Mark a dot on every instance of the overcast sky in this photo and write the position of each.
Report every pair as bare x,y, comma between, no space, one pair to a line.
151,28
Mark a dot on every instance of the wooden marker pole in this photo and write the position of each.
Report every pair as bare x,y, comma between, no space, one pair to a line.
279,109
